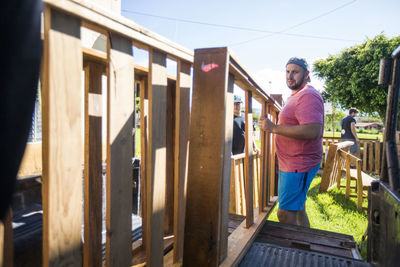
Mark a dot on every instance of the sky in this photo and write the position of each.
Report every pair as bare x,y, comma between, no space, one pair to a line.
263,35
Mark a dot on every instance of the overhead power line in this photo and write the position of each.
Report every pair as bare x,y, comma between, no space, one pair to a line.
271,33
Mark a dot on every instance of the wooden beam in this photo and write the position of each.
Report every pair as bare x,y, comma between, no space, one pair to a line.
156,158
123,26
62,140
182,113
249,159
274,178
208,149
93,188
120,113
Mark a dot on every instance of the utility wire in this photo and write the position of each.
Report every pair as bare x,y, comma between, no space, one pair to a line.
271,33
283,32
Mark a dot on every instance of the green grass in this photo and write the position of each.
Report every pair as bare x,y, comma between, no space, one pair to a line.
360,135
331,211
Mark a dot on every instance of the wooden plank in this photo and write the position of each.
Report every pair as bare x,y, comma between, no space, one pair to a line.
377,156
62,140
242,186
120,113
156,158
233,186
241,239
365,153
118,24
32,160
371,157
93,186
6,241
327,171
273,180
182,112
249,159
208,147
170,163
226,169
263,173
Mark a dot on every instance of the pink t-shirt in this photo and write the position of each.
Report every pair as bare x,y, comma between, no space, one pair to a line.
294,155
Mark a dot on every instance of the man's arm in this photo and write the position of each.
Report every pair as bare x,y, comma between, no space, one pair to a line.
353,131
308,131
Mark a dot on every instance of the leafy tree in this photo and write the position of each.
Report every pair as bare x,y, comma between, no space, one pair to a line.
351,77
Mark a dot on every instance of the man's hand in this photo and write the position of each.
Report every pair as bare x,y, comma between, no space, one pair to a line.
265,124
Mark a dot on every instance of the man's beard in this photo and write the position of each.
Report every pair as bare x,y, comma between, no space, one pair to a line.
298,85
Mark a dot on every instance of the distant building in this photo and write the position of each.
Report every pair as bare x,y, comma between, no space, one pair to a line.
369,125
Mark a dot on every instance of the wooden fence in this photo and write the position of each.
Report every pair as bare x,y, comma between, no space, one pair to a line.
195,215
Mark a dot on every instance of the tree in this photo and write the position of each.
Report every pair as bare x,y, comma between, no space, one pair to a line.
351,77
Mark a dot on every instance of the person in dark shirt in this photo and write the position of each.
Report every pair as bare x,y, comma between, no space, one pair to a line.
238,141
349,131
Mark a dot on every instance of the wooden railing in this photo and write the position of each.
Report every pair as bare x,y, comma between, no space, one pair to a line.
197,218
370,153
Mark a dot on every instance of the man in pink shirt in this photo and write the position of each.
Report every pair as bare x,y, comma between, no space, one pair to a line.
298,142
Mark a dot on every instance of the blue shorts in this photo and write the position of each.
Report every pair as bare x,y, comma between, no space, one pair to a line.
293,187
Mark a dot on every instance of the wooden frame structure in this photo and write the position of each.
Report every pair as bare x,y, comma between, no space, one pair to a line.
72,139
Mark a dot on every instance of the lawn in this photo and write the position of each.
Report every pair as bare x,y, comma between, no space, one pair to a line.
360,135
331,211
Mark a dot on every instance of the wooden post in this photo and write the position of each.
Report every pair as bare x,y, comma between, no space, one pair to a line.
62,140
377,156
156,158
6,241
182,113
120,113
249,170
273,179
209,158
365,156
93,168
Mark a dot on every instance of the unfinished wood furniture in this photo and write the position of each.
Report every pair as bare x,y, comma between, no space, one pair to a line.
334,168
362,180
370,153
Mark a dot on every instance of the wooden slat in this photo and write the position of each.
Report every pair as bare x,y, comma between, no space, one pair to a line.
182,112
328,168
365,153
6,241
208,147
93,168
371,157
377,156
273,180
120,113
156,158
249,161
62,140
144,139
226,169
232,198
263,165
170,163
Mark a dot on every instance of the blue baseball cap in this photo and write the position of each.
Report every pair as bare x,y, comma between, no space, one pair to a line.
237,99
298,61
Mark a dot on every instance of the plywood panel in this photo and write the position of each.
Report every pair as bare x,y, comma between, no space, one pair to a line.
182,112
93,166
120,113
156,158
208,147
62,141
